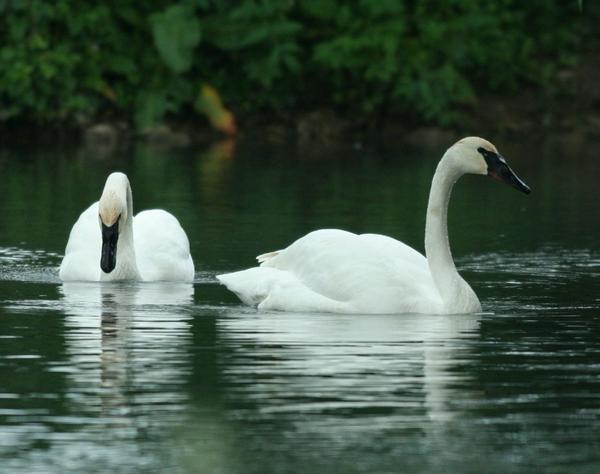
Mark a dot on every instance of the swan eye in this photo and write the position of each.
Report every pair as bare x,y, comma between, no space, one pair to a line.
491,158
485,153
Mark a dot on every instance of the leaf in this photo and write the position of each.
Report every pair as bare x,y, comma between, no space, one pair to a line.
150,109
176,33
209,103
323,9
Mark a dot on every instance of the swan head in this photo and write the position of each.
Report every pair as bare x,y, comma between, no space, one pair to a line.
113,210
476,155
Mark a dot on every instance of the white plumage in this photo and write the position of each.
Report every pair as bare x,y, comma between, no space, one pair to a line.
151,246
333,270
337,271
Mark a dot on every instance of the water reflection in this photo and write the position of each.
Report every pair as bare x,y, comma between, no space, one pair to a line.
128,357
126,329
337,381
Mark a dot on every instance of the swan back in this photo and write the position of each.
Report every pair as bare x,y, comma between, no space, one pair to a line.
162,247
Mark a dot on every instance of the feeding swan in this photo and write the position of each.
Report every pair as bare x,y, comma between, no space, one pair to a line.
337,271
108,243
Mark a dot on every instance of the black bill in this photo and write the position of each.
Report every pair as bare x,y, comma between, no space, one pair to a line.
110,236
499,170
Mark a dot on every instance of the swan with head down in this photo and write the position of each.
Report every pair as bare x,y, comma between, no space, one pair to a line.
333,270
107,243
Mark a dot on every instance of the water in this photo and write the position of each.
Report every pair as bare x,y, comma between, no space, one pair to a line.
182,378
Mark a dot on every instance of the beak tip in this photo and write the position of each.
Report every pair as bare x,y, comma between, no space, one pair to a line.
524,188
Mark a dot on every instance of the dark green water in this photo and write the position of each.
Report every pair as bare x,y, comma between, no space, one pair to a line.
182,378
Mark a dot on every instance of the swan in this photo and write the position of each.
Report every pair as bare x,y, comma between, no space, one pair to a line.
332,270
107,243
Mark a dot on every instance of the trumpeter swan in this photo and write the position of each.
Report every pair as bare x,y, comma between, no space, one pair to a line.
337,271
108,243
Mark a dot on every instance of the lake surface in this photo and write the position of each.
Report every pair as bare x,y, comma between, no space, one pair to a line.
183,378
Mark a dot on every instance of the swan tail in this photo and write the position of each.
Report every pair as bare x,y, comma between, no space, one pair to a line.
252,286
267,256
278,290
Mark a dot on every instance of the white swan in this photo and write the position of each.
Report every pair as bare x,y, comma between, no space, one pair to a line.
107,243
337,271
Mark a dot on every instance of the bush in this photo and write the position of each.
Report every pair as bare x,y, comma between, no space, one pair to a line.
71,59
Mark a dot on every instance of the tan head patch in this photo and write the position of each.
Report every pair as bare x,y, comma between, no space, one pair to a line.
479,142
110,208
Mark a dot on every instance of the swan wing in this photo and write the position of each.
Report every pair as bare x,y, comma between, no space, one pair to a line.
272,289
359,273
82,254
267,256
162,247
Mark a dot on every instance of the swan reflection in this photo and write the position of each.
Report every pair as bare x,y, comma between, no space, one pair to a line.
388,371
126,343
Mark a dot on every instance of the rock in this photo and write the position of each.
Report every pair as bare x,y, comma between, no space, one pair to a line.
101,135
319,126
430,138
162,135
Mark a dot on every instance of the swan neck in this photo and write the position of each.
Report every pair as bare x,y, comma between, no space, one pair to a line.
126,264
129,200
126,247
437,244
126,237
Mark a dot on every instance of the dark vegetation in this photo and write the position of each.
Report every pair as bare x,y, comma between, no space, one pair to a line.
420,62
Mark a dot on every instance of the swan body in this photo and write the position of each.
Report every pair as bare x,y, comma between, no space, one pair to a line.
331,270
337,271
107,243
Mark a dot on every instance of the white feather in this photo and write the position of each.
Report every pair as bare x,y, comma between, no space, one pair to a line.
338,271
159,250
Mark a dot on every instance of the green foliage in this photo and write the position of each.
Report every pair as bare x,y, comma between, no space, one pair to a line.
71,59
176,34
